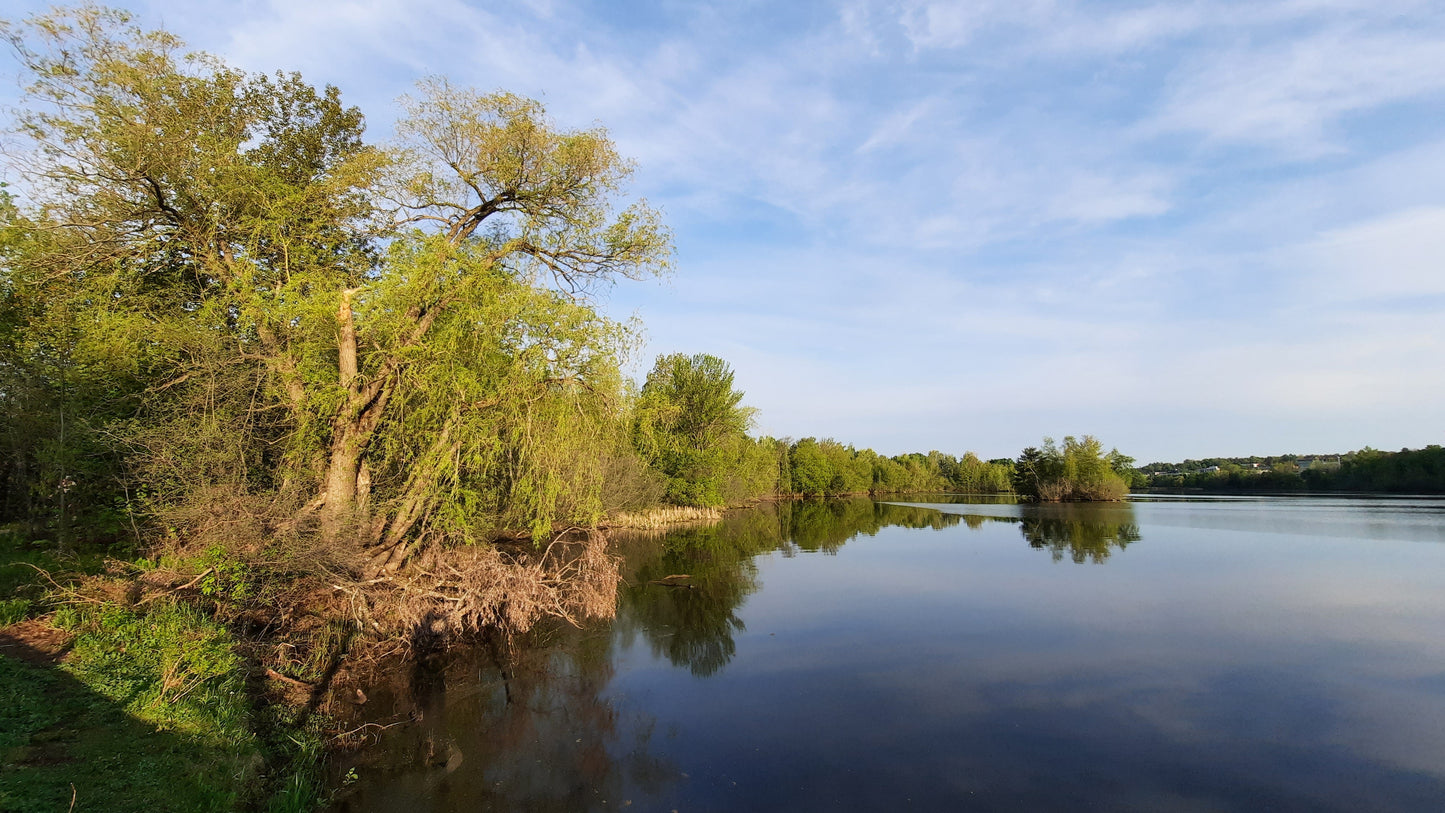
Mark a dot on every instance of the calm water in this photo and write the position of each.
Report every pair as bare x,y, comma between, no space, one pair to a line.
1203,655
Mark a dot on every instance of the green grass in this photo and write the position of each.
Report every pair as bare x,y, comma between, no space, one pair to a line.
14,610
24,589
150,711
60,737
170,666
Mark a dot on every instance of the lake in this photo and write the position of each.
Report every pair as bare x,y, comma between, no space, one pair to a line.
953,654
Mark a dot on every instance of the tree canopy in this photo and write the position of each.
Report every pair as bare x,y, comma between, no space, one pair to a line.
374,341
690,425
1079,470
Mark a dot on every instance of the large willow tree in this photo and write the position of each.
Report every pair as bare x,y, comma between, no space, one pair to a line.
385,345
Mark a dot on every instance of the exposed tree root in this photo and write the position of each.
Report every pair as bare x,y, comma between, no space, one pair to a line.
444,593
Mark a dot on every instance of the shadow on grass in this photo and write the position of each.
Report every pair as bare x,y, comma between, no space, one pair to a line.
65,747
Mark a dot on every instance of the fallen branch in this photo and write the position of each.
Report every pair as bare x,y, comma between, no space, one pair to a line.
188,585
272,673
378,726
70,593
675,580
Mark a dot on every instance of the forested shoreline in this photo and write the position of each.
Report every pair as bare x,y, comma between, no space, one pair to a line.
1367,471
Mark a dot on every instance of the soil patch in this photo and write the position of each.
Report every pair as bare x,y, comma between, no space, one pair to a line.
34,641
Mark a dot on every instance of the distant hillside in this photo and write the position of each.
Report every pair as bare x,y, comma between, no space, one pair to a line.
1408,471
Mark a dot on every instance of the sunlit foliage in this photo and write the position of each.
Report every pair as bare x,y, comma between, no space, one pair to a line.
690,425
240,307
1079,470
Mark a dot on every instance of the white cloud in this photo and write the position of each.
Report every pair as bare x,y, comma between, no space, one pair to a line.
953,24
1088,197
1398,255
1291,93
897,128
1107,33
1036,28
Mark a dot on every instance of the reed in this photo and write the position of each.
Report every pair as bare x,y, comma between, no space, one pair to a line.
662,517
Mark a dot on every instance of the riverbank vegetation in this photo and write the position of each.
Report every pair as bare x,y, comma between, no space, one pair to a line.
288,387
241,335
150,695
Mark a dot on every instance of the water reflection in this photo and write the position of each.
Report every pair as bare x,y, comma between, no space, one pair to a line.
825,525
538,725
1083,533
520,725
1224,670
692,622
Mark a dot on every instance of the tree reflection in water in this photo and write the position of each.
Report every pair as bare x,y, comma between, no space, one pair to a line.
1083,532
692,623
529,724
523,725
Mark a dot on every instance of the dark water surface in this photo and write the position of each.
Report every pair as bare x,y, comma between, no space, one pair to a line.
1165,655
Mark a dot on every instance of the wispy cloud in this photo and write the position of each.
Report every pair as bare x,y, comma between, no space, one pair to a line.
1381,260
1294,94
1053,26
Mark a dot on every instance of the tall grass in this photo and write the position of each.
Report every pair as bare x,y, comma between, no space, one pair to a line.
663,516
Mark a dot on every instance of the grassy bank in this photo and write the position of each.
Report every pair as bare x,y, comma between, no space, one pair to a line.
110,701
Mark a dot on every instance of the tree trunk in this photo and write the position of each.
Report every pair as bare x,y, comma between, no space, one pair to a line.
418,498
345,487
338,490
346,341
346,484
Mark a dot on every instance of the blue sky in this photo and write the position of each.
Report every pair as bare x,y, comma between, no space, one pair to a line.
1189,228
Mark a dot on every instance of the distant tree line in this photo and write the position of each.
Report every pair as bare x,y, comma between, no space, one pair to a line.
1408,471
691,429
